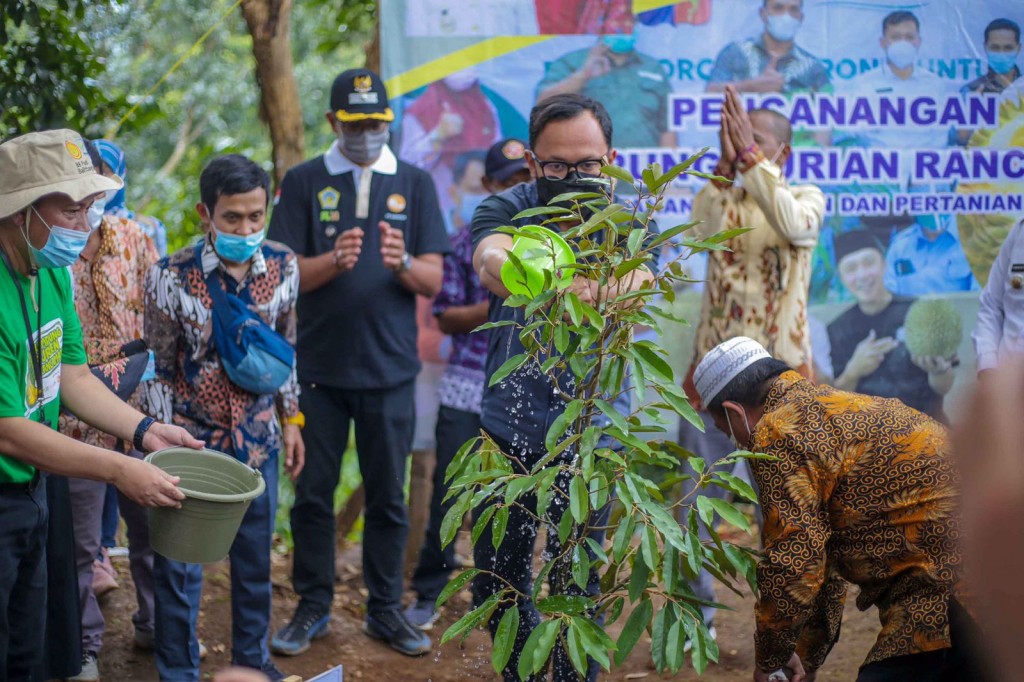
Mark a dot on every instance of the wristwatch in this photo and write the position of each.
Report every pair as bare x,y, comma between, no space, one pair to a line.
404,265
140,432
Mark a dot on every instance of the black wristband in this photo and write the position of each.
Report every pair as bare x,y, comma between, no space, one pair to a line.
140,432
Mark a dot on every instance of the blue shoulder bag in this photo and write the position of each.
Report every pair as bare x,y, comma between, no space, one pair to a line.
253,354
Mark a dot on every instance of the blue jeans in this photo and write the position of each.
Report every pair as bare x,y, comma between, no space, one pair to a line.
178,587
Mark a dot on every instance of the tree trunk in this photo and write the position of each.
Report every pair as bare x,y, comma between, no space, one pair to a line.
373,47
268,22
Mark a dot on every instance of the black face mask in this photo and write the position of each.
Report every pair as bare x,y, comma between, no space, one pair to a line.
549,189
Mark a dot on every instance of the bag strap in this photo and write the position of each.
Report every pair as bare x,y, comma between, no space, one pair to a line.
214,283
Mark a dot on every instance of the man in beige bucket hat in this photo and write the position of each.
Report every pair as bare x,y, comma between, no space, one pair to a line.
47,184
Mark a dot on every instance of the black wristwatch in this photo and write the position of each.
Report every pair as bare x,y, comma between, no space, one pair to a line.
140,432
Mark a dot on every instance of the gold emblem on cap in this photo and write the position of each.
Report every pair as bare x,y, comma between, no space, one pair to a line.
513,150
362,83
396,203
1017,281
73,150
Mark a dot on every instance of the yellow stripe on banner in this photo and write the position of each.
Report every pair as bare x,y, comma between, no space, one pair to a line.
646,5
457,61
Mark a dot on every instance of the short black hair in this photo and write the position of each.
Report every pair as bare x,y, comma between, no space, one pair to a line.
778,122
1003,25
750,387
898,17
462,162
563,107
231,174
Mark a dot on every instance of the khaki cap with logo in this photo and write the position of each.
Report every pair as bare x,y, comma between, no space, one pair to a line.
47,162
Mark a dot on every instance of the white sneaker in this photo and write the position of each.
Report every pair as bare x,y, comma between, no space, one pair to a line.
90,669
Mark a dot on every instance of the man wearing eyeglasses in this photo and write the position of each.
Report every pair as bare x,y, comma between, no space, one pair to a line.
571,140
369,237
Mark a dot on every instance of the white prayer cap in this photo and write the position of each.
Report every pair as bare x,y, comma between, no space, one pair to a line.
723,363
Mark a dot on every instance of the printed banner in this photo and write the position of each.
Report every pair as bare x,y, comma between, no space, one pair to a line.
909,115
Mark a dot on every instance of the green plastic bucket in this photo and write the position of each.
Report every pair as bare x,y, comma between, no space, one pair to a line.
218,490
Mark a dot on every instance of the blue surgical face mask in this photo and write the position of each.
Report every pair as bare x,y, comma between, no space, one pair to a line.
468,206
236,248
1002,62
63,245
782,26
620,43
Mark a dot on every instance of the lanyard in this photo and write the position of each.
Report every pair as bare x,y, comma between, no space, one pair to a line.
35,350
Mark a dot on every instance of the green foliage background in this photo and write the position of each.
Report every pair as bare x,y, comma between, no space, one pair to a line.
83,65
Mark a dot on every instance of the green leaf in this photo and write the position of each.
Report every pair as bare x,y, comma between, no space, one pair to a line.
674,172
706,511
472,619
674,646
623,536
666,525
537,648
659,629
453,519
637,622
560,426
653,360
494,325
672,232
636,238
565,603
649,547
638,578
561,337
730,514
738,486
505,638
619,173
670,568
574,308
545,489
516,487
580,566
482,523
579,500
456,584
577,651
507,367
541,210
596,641
499,527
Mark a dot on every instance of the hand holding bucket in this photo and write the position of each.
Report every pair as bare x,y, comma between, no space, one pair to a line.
540,251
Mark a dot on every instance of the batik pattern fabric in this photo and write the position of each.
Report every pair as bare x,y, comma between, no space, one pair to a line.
192,389
110,300
862,491
759,287
462,385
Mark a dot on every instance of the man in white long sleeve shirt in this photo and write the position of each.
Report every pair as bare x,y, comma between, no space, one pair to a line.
759,287
1000,326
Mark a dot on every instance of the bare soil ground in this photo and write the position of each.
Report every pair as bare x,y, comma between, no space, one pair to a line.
366,659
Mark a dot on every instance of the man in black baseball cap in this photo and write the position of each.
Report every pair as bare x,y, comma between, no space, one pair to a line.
358,95
505,165
369,237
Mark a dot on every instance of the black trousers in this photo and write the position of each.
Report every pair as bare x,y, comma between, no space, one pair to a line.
384,425
454,428
513,562
23,521
961,661
63,656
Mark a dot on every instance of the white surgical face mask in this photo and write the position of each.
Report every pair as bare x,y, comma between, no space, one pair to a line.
463,80
901,54
782,26
95,214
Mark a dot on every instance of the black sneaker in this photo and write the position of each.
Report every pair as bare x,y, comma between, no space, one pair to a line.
309,622
392,627
271,671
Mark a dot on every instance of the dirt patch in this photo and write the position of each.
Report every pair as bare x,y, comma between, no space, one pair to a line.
366,659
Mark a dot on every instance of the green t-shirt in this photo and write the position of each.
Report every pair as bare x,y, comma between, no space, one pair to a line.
61,343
